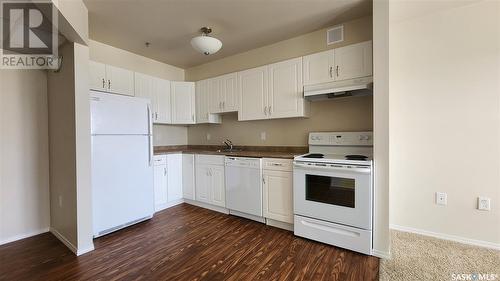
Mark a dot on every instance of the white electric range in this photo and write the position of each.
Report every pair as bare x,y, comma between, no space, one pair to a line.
333,190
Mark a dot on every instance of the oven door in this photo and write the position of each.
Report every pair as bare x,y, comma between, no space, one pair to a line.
335,193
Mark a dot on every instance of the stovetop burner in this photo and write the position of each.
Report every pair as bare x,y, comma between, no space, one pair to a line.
314,155
356,157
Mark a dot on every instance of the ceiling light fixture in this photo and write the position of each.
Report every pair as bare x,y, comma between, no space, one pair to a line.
205,44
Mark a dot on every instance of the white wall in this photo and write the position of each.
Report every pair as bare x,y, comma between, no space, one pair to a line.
163,134
24,161
445,117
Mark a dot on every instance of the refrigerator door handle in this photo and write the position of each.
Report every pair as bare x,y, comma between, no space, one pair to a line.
150,136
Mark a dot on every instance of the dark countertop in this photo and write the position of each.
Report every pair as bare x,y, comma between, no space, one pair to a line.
284,152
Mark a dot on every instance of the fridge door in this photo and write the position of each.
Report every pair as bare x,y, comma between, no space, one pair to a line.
122,182
119,115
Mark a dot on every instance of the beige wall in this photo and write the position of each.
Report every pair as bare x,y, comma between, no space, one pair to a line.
381,237
83,149
350,114
354,31
445,118
163,134
338,115
63,197
24,159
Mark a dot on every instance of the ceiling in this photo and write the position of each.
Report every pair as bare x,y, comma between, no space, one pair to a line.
241,25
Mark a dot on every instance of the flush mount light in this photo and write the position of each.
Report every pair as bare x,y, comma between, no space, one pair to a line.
205,44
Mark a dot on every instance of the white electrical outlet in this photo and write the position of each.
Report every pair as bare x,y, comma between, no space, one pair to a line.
483,203
209,137
441,198
263,136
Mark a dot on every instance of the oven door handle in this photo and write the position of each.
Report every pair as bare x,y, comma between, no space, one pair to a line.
333,168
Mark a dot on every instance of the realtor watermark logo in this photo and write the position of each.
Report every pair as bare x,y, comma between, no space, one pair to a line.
29,35
474,276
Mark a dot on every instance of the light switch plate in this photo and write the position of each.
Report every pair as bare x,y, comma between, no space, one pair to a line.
483,203
441,198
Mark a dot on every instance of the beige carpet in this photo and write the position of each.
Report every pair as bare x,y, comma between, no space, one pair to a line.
417,257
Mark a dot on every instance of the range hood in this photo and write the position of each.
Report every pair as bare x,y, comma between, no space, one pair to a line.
339,89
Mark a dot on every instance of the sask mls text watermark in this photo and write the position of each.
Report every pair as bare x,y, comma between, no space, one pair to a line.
29,35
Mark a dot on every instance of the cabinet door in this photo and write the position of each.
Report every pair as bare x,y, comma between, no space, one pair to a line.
201,93
97,76
143,89
278,195
229,92
215,95
217,186
174,164
286,97
183,102
160,186
318,68
353,61
119,80
202,183
161,93
188,176
252,94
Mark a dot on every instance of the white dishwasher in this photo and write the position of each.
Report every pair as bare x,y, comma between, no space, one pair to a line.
244,186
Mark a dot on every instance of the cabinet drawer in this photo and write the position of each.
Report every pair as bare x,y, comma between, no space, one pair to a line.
209,159
160,160
277,164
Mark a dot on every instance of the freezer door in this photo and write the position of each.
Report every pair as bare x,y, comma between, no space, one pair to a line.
122,182
119,115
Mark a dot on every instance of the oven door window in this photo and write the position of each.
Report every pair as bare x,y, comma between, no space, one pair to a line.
331,190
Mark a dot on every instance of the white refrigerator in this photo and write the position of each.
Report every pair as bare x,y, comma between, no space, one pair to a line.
122,170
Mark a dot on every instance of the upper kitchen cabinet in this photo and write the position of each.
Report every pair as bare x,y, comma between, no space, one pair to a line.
353,61
223,93
111,79
318,68
272,91
285,97
183,102
158,91
253,92
202,104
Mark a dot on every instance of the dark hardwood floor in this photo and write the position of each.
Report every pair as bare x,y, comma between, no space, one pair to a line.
187,243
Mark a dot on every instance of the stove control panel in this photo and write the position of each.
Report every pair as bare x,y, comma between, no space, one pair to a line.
341,138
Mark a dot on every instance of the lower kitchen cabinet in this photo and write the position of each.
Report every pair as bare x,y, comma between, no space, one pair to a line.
188,175
278,190
210,185
160,181
167,180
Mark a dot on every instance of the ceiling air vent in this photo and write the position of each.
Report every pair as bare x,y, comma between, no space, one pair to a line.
335,34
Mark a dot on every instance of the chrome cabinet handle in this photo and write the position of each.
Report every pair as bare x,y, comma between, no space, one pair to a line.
156,116
109,84
269,110
223,104
263,180
265,110
331,71
103,83
337,70
192,117
164,171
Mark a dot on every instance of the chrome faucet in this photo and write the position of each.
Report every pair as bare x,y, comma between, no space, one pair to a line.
229,144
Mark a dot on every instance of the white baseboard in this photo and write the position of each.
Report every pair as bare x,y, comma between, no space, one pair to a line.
167,205
279,224
463,240
24,235
80,252
207,206
247,216
381,254
64,240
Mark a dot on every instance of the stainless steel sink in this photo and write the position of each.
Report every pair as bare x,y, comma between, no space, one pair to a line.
229,150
